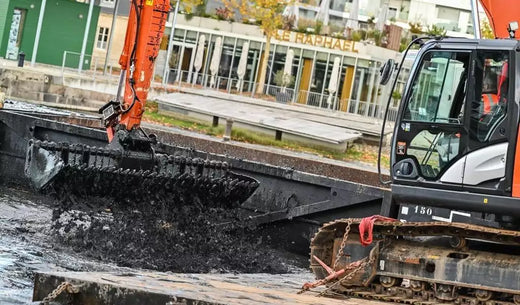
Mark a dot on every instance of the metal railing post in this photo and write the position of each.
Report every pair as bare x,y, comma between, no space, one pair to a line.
63,63
85,37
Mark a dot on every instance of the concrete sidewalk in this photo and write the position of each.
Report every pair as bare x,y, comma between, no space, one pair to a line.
312,126
368,126
275,121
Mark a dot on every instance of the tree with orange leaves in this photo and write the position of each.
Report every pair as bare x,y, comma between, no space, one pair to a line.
269,14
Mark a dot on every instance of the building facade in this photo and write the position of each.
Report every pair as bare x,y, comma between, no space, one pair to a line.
63,28
303,67
324,71
104,31
454,16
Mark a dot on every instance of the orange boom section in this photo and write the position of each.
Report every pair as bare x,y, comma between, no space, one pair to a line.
500,13
146,26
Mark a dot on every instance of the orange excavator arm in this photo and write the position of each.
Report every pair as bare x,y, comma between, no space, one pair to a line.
132,168
500,13
145,29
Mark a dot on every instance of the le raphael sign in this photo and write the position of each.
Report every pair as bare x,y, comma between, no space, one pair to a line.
316,40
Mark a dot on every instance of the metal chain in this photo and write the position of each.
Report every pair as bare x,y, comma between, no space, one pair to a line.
343,244
351,274
346,278
64,286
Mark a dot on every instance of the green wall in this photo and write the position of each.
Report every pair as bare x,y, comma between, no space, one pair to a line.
62,30
29,27
4,6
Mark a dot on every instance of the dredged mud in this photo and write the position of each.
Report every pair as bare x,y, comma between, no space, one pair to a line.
159,235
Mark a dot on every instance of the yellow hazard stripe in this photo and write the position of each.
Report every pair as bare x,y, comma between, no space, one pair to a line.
149,2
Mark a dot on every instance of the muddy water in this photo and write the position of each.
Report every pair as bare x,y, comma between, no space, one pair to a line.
26,245
15,286
21,224
29,242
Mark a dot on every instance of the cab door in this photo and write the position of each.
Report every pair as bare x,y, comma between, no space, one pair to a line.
490,127
453,132
431,135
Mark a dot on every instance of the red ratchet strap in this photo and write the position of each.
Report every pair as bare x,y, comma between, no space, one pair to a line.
366,227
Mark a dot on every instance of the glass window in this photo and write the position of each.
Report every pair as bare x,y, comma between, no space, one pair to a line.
225,60
448,13
308,53
305,13
351,61
392,13
179,34
337,5
337,21
311,2
438,90
448,18
319,78
191,36
434,151
491,86
102,38
229,40
15,33
254,45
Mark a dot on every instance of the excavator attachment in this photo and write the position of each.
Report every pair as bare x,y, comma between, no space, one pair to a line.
83,170
129,167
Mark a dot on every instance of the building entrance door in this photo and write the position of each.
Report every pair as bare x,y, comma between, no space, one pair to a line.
305,80
15,34
186,62
346,90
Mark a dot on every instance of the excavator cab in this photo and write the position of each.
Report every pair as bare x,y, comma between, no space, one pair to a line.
455,136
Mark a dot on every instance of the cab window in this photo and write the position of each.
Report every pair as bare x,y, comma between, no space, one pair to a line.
491,88
438,90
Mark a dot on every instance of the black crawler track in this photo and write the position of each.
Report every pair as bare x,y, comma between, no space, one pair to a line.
404,249
406,295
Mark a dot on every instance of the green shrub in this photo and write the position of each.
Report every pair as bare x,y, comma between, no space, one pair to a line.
435,30
283,80
317,27
378,37
355,36
415,27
